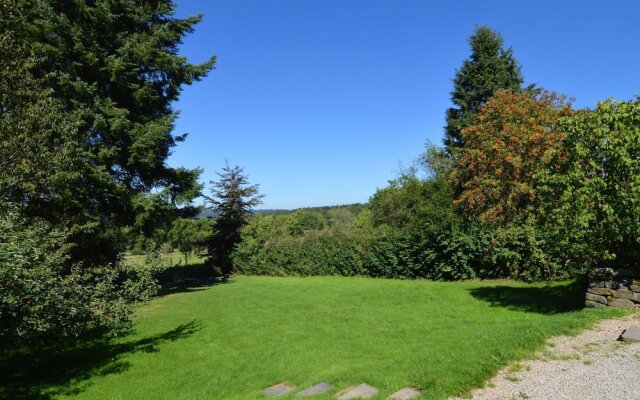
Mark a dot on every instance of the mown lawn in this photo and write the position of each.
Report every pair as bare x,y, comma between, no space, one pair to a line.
228,341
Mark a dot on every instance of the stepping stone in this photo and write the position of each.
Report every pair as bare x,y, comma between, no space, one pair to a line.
632,334
362,391
279,389
314,390
404,394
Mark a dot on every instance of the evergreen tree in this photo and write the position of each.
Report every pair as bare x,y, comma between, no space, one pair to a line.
85,128
113,69
233,199
39,149
490,67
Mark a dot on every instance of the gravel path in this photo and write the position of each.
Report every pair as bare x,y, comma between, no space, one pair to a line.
590,366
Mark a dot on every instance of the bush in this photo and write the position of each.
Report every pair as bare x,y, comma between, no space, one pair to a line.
41,298
316,253
593,201
268,248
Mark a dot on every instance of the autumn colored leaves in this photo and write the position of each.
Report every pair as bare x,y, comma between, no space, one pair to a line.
512,139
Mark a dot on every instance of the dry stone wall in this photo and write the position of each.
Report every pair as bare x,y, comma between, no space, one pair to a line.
613,288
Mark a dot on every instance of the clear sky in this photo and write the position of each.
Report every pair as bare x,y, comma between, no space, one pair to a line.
322,101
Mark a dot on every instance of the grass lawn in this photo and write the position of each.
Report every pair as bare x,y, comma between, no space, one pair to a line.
228,341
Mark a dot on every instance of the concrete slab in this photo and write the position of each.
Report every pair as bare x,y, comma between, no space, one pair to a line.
632,334
362,391
405,394
279,389
314,390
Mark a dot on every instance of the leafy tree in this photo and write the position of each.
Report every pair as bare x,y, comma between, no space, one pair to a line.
110,70
400,203
512,140
490,67
189,236
233,199
593,201
301,221
436,162
430,233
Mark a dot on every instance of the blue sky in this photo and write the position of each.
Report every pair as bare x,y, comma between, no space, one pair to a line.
323,101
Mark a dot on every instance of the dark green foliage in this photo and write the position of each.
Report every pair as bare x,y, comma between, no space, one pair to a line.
434,240
490,67
43,300
232,199
155,212
40,152
85,129
109,71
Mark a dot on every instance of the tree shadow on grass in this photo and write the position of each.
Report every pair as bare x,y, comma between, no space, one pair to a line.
548,299
192,278
44,372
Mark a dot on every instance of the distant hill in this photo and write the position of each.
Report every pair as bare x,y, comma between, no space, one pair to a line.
209,213
354,208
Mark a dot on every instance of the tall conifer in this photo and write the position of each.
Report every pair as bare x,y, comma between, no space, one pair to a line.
489,68
113,68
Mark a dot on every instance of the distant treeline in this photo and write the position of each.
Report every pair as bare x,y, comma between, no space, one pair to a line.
353,208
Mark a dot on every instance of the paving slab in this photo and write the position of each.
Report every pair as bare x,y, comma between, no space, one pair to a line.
314,390
405,394
279,389
632,334
362,391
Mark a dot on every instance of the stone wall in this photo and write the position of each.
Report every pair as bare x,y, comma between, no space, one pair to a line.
613,288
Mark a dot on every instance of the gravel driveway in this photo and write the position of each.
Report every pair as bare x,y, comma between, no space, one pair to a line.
590,366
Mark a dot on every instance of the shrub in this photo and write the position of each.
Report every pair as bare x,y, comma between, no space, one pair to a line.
42,298
592,203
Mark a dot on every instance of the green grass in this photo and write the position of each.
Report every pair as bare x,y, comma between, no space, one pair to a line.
228,341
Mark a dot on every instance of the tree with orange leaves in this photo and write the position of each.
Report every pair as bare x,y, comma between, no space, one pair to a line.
511,141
